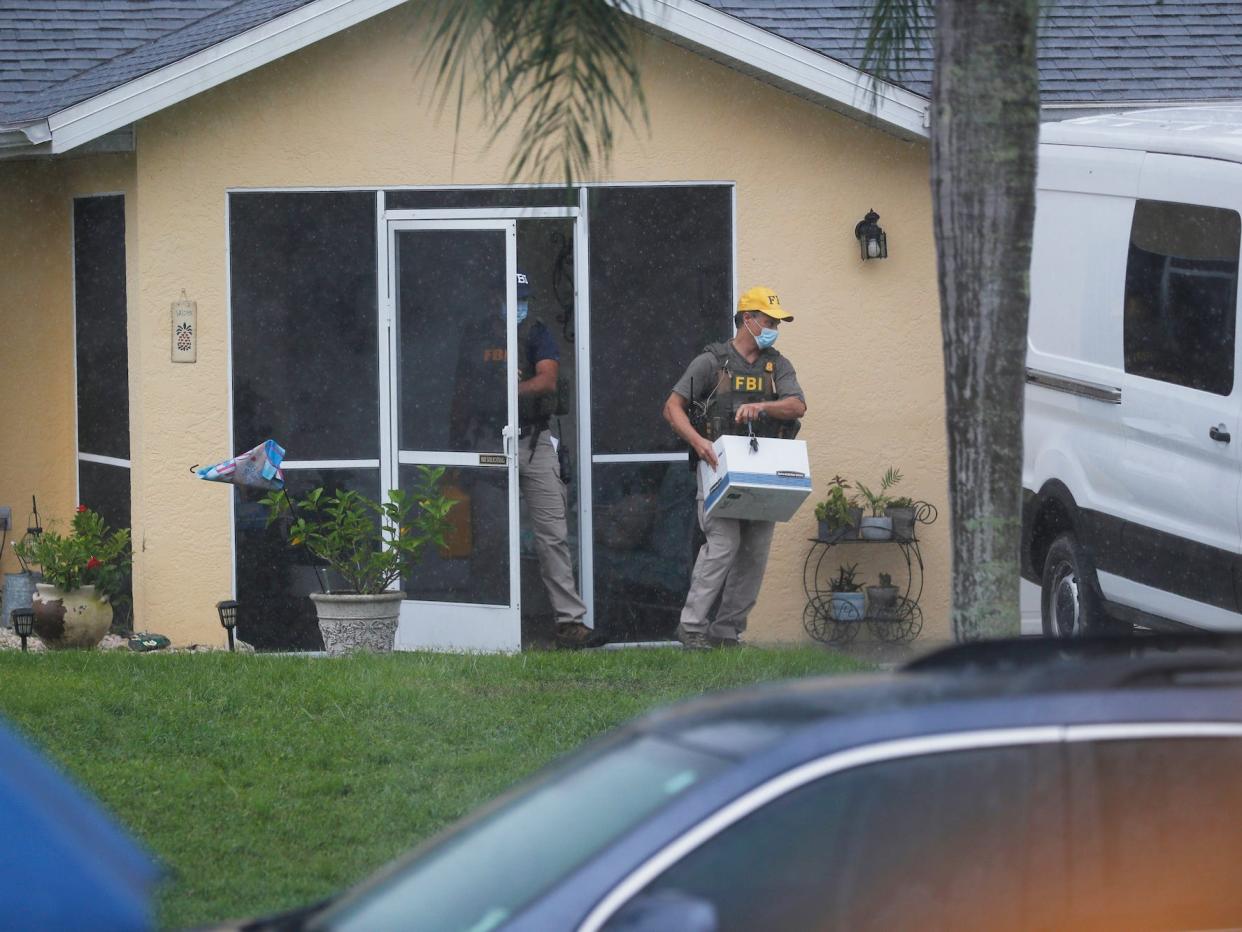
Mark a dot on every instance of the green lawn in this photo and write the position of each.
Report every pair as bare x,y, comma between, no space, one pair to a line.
266,782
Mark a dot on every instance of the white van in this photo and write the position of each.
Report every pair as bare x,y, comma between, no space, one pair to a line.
1133,400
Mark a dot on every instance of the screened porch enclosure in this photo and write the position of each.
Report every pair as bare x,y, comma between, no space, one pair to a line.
351,312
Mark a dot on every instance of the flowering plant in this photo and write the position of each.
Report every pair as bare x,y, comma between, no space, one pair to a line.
369,544
90,555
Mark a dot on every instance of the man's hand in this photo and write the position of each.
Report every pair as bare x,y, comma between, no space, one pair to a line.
749,412
706,451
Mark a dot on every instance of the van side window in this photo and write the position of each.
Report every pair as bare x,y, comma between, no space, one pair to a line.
1181,295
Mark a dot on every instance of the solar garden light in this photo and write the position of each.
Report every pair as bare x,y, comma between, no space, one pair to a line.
23,623
872,239
228,618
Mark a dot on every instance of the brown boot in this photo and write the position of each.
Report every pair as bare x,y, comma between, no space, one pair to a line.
577,636
693,640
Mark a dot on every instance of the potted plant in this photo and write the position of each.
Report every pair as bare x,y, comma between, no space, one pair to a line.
847,602
882,599
838,514
369,545
877,525
901,510
83,574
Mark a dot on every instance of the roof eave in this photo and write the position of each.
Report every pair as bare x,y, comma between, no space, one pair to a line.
22,140
723,37
788,65
152,92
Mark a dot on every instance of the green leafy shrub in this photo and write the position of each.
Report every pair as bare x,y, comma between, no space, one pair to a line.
91,554
369,544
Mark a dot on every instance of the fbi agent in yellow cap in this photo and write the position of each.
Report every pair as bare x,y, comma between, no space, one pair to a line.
734,387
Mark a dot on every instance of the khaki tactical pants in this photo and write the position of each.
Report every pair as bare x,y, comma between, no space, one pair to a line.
546,500
731,565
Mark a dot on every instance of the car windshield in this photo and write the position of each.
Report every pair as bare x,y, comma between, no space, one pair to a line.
477,879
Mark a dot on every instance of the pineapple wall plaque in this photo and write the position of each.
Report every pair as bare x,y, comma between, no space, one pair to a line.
184,330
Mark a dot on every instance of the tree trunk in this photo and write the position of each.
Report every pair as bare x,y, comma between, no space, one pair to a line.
984,135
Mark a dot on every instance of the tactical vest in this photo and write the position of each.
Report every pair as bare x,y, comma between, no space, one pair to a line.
737,383
536,410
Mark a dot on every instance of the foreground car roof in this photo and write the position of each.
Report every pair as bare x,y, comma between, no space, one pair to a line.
997,674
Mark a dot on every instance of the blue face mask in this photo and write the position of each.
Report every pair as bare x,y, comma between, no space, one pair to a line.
765,337
523,306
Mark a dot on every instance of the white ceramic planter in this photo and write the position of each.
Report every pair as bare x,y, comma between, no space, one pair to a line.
64,620
358,622
848,606
876,528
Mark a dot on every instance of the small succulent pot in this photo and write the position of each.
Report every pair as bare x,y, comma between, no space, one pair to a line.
903,522
64,620
831,532
882,602
848,606
350,622
876,528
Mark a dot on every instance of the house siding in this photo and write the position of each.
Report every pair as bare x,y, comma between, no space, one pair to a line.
38,437
352,111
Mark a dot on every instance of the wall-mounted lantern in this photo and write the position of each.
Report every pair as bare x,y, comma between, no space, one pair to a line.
871,239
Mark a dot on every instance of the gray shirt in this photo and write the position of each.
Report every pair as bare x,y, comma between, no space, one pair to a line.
704,371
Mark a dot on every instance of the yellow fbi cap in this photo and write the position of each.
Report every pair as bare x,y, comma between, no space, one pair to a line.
765,301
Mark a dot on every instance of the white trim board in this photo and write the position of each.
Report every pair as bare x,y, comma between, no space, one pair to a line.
706,30
103,460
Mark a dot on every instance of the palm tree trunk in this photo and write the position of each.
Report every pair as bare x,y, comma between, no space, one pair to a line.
984,135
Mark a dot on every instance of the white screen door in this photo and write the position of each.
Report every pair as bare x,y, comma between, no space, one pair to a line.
453,404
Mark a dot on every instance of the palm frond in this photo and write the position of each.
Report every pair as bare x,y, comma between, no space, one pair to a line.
563,71
895,30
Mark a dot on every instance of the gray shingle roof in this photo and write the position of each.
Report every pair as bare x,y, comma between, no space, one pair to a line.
56,53
1089,51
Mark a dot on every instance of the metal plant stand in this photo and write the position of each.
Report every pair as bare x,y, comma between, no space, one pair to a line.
838,622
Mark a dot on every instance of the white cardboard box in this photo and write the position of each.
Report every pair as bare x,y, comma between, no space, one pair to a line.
764,484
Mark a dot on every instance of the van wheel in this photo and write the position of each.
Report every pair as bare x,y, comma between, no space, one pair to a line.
1070,600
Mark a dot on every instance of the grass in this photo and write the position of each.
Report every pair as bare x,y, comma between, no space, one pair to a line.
267,782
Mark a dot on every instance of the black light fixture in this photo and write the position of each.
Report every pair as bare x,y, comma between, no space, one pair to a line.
871,239
23,623
228,618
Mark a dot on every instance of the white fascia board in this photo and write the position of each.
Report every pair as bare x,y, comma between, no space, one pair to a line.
204,70
789,63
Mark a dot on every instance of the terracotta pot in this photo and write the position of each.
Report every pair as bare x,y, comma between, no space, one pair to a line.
75,619
357,622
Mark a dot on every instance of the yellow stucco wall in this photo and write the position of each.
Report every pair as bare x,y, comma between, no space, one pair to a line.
348,112
37,394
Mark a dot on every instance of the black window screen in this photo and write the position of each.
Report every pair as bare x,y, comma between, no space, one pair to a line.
645,525
1181,295
274,578
304,319
101,339
104,488
661,289
968,840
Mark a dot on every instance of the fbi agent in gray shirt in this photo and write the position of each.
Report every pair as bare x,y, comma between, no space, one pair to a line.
737,387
